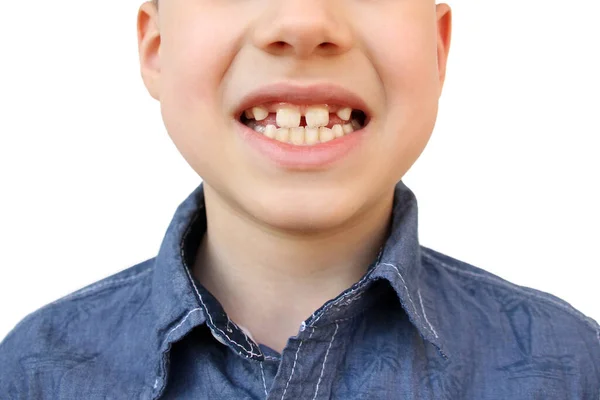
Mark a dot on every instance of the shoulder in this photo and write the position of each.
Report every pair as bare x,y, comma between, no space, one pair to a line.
530,323
468,276
70,331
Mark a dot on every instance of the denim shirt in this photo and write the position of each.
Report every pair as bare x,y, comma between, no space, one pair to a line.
418,325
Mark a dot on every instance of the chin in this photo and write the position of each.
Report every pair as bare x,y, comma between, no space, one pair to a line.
302,216
305,223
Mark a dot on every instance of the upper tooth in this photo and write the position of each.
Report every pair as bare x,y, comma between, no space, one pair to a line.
248,114
344,113
316,116
260,113
288,117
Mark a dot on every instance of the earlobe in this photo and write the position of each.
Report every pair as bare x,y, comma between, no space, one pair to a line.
148,36
444,31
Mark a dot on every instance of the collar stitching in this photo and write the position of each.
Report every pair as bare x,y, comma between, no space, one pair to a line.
425,315
181,323
429,328
210,321
359,286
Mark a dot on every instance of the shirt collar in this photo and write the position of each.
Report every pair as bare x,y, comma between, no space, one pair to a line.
175,297
400,263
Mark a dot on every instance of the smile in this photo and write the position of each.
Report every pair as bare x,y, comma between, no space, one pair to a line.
303,125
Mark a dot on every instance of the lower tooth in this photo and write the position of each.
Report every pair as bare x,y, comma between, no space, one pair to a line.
325,134
311,135
347,128
338,131
297,135
355,124
259,128
282,134
270,131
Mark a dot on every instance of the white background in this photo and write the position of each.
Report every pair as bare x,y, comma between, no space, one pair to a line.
90,178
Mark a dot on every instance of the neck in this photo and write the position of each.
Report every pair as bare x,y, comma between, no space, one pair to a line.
269,281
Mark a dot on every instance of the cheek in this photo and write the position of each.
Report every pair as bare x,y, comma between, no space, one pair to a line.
193,64
406,66
402,46
408,71
197,49
189,72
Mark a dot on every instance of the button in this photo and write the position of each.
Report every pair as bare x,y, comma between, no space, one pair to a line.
303,326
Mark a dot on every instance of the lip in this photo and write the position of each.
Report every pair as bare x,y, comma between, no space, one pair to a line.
303,95
315,157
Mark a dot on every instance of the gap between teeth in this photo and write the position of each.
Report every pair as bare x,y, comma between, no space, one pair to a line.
288,116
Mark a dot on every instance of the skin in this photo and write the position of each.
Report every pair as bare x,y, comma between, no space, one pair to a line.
281,242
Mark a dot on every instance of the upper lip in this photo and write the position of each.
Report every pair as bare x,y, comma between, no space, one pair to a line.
302,95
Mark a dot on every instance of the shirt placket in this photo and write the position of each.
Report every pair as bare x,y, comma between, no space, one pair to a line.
309,363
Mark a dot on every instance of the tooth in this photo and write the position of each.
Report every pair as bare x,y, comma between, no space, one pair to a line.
337,130
259,128
325,134
248,114
311,135
297,135
347,128
282,134
260,113
355,124
288,117
270,131
344,113
316,116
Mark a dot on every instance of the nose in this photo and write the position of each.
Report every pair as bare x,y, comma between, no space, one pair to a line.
303,28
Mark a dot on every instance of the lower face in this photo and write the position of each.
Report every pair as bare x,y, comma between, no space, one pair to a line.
214,53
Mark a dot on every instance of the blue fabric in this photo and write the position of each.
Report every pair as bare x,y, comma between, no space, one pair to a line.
418,325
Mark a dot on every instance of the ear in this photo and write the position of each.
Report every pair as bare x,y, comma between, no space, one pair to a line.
444,30
149,46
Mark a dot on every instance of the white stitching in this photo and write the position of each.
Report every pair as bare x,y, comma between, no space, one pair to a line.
425,315
187,271
294,365
97,286
499,282
324,360
181,323
262,372
405,287
244,332
293,368
359,286
210,317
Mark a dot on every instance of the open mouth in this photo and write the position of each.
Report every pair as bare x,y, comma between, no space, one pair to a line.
303,125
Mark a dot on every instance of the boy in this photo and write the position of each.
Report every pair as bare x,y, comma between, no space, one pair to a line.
295,271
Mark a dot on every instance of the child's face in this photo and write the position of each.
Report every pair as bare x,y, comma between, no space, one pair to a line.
201,58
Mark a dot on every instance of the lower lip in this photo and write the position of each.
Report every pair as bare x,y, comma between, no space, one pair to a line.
308,157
